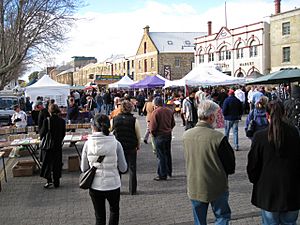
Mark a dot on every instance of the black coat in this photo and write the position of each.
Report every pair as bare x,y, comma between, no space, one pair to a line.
43,114
275,178
52,159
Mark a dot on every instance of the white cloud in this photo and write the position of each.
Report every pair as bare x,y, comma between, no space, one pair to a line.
104,34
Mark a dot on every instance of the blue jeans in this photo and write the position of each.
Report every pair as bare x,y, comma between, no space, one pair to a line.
234,124
282,218
163,148
107,109
219,206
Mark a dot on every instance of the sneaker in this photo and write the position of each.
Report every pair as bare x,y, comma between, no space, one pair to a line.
48,185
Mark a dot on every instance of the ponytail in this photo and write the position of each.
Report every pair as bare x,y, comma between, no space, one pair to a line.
101,123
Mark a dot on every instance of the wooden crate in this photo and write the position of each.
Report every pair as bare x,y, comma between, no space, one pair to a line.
73,163
22,171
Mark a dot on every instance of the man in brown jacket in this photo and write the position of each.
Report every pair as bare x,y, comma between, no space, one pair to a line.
161,125
209,160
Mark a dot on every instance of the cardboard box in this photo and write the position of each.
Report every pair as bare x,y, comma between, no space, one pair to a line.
22,171
73,163
24,152
7,151
26,163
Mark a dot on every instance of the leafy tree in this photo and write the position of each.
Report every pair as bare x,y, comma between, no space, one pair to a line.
30,28
33,75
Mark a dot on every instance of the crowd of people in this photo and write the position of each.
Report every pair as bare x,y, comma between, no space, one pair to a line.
273,161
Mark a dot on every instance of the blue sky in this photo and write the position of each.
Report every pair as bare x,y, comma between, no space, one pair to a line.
109,27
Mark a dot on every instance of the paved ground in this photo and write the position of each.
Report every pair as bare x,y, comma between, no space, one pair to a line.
24,201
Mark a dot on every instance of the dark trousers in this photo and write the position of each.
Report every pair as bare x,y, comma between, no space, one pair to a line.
163,148
98,199
131,163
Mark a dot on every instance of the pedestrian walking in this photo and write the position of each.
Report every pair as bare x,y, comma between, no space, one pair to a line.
161,125
189,110
209,160
126,128
232,111
148,108
52,158
274,169
106,184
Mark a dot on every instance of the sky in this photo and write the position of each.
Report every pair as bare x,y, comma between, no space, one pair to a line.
110,27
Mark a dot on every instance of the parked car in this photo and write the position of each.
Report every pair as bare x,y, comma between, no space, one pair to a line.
6,108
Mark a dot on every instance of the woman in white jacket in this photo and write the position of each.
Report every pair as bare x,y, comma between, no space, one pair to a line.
106,183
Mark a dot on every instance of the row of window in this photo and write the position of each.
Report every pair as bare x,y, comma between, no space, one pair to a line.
226,54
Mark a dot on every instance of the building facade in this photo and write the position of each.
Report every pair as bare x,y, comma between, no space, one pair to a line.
237,52
285,39
170,54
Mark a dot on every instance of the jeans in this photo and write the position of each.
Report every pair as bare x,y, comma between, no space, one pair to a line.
163,148
282,218
107,108
220,209
234,124
99,107
131,162
147,133
98,199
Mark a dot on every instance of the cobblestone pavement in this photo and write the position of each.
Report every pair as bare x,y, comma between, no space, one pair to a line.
24,201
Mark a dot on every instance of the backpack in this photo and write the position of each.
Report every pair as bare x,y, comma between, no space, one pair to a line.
260,118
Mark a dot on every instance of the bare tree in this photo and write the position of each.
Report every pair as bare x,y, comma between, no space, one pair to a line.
29,28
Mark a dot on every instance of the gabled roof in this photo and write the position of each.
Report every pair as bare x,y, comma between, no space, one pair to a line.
175,41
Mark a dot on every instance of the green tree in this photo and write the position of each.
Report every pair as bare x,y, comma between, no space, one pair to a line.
33,75
30,28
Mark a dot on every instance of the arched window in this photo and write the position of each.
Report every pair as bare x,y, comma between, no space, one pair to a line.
252,49
239,51
224,54
201,56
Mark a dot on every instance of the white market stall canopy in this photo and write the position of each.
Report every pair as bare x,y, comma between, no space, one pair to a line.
205,76
125,82
48,88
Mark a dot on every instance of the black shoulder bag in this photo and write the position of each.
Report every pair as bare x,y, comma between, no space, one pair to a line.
47,142
86,178
251,126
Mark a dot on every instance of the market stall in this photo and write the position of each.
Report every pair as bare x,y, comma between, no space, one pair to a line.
149,82
48,88
124,83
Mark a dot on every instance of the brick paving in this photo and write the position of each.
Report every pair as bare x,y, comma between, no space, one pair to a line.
24,201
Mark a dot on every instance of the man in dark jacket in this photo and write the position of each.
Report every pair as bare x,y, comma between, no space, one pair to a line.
43,114
232,111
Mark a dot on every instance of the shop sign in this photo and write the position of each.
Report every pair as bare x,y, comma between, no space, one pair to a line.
247,64
108,77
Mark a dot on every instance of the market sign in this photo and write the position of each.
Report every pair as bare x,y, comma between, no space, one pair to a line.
108,77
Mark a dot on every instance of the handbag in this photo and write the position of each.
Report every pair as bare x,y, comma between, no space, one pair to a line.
47,142
251,128
86,178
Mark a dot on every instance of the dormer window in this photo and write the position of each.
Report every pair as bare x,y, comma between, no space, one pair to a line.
170,42
187,43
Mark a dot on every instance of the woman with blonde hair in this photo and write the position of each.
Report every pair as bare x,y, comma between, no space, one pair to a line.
258,115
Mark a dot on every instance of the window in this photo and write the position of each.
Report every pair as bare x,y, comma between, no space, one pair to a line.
119,66
222,54
139,64
177,62
228,54
132,63
286,54
252,51
124,65
145,47
286,28
201,58
240,53
152,63
211,57
145,65
91,76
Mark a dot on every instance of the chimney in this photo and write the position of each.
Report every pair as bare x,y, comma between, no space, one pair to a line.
146,29
209,28
277,6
